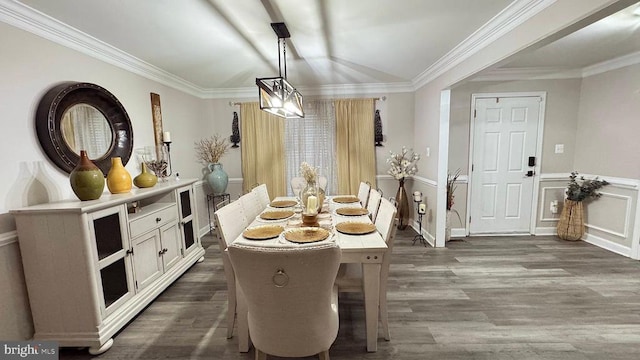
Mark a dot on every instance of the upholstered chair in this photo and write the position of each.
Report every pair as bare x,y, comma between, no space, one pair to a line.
350,275
291,297
230,222
297,184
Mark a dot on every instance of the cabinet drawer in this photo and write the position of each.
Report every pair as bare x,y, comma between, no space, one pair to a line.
153,220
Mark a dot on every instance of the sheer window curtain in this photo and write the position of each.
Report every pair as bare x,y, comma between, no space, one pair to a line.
355,144
263,160
312,139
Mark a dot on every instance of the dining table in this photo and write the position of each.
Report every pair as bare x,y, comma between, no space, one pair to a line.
365,249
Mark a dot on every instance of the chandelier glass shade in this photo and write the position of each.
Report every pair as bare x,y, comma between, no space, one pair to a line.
276,95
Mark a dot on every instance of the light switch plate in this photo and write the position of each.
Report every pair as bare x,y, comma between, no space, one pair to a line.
559,148
427,153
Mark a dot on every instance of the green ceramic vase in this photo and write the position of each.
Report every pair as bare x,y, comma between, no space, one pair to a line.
87,181
145,179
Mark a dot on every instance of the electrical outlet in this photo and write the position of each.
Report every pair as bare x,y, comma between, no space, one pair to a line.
427,153
554,207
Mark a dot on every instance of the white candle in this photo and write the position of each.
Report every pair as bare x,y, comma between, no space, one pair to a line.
423,208
417,196
166,137
312,204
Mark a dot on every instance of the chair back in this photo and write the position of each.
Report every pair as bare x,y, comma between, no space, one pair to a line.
251,205
230,222
290,297
263,195
322,182
297,184
373,203
363,193
385,219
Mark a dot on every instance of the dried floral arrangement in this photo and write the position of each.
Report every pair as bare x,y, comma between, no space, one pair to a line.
580,188
451,187
309,172
211,149
402,164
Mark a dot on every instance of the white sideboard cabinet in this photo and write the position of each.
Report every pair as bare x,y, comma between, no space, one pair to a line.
91,266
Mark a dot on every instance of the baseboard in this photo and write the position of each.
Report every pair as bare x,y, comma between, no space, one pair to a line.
607,245
458,232
546,230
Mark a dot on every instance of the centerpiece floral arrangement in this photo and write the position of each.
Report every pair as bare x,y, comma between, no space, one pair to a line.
403,164
211,149
580,188
309,172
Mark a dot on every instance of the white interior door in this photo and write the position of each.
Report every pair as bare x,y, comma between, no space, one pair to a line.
502,180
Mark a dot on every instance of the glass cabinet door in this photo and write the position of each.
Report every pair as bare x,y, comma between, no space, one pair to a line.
108,229
187,220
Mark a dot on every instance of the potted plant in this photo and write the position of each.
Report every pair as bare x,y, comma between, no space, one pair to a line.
209,151
571,223
451,188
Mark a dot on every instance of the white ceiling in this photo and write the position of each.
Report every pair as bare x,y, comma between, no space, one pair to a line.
225,44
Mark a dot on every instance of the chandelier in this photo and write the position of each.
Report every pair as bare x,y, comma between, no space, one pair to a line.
277,96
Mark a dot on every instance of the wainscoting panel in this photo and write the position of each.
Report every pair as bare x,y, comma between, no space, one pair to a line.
15,317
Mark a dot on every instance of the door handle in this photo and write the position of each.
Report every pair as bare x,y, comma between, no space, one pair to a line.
529,173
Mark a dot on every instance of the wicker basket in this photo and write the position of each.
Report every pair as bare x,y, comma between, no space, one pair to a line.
571,224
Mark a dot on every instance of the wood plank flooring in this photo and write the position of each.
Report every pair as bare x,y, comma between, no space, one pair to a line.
479,298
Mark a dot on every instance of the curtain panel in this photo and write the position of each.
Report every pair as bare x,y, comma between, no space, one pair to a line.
356,160
263,158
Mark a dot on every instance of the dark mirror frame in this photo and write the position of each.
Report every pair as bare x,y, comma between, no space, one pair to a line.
63,96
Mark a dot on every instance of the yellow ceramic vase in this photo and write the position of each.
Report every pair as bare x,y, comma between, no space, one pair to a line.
118,178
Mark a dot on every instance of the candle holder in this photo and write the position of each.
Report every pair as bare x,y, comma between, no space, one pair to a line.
310,219
420,210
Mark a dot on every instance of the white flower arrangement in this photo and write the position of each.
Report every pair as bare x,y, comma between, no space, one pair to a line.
403,165
309,172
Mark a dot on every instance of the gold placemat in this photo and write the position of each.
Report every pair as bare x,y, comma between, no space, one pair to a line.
345,199
352,211
306,235
263,232
355,228
276,215
283,203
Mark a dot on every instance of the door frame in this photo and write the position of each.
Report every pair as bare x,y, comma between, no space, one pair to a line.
539,137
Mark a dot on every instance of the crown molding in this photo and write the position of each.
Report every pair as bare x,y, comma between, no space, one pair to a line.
613,64
512,16
513,74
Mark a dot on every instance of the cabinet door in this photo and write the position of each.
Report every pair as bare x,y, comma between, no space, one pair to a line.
171,245
147,258
110,236
187,218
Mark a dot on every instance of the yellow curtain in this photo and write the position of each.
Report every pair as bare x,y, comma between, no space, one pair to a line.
263,159
355,144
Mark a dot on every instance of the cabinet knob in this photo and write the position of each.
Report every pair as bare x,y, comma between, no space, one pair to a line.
158,219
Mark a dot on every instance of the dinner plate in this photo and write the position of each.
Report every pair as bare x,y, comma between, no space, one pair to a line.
263,232
345,199
276,215
352,211
283,203
306,235
355,228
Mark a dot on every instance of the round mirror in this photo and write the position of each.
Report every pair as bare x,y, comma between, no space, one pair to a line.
85,128
82,116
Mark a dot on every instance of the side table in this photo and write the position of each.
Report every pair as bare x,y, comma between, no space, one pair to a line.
211,200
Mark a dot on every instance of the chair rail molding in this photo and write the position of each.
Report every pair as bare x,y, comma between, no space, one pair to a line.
8,238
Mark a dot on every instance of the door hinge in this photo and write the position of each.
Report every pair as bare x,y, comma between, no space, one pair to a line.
469,219
471,167
182,251
475,113
136,284
497,100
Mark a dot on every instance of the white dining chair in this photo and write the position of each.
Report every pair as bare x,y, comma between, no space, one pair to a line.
363,193
291,298
230,222
350,277
297,184
373,203
251,205
263,195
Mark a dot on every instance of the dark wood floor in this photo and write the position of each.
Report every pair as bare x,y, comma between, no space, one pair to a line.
480,298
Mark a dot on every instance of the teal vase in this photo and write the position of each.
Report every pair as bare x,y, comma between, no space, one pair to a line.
217,179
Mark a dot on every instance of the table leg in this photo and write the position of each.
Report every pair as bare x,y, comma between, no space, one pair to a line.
371,274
